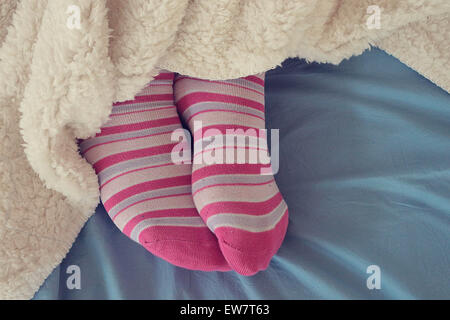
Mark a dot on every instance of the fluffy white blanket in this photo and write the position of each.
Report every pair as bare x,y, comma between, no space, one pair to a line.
64,62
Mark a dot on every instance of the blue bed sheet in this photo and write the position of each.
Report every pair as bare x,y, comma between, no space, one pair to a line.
365,170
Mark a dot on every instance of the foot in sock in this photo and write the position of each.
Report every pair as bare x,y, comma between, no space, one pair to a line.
146,195
243,207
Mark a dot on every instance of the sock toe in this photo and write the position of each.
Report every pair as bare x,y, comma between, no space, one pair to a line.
195,253
244,263
251,253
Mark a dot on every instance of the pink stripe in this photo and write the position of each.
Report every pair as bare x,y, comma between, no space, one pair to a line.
146,186
158,85
221,110
129,155
253,208
165,76
220,82
224,127
126,139
140,111
230,147
231,184
185,212
155,198
135,170
255,79
199,97
146,98
221,169
139,126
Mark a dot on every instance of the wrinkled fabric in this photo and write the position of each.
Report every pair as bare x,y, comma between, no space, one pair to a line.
364,149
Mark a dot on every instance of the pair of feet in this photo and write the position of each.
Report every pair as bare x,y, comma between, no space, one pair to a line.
219,213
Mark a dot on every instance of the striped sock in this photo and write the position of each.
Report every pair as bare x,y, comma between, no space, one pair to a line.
146,195
240,205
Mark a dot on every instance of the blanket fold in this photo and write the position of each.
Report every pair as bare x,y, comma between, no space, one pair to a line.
64,62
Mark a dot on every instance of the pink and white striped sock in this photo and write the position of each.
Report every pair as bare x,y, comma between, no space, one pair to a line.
243,207
146,195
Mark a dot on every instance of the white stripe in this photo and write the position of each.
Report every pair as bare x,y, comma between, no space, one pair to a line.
248,222
195,222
